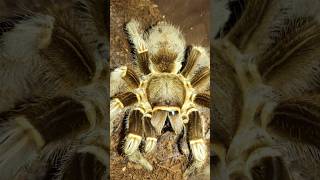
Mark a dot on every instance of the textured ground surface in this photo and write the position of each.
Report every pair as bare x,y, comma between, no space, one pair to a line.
167,161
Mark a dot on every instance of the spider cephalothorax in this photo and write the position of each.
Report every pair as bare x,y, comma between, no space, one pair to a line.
165,90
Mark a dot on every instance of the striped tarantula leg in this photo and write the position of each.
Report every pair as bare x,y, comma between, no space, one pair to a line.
134,138
197,57
116,107
135,132
192,57
133,30
153,126
83,166
88,158
128,75
120,101
50,119
196,141
201,78
202,99
150,134
195,134
33,125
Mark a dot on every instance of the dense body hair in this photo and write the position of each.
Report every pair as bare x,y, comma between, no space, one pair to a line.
265,75
53,92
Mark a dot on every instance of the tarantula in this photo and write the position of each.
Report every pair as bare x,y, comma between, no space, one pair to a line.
162,89
53,95
266,91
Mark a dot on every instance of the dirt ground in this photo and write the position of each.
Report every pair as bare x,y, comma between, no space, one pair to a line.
168,162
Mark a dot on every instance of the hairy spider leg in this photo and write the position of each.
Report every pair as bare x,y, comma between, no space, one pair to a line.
139,45
202,99
41,123
133,139
122,100
196,141
150,134
197,59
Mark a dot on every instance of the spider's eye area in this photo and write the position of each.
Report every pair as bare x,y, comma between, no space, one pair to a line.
172,113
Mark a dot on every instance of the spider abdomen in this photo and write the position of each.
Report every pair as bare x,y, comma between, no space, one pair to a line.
165,90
